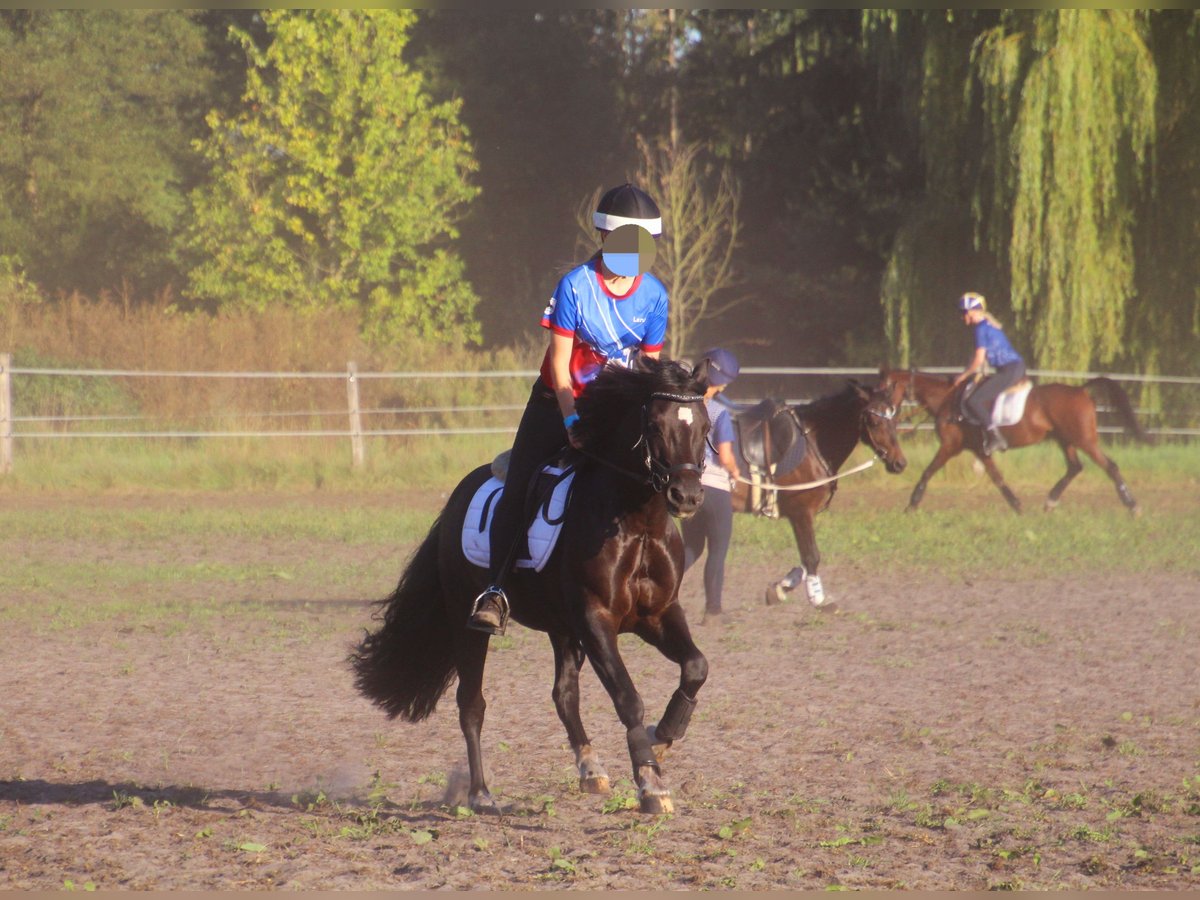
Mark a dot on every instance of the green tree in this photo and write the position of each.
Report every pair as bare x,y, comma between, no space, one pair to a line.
1037,132
1070,98
339,182
826,154
97,108
1165,320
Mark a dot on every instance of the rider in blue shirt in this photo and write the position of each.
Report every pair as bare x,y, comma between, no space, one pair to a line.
603,312
991,346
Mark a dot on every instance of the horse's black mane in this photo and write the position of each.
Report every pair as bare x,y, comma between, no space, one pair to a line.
609,398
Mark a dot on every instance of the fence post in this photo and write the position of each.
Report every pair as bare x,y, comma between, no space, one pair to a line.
356,435
6,413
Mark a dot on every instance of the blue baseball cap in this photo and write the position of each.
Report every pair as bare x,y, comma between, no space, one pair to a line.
722,366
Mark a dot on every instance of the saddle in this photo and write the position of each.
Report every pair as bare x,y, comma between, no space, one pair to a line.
768,439
1008,408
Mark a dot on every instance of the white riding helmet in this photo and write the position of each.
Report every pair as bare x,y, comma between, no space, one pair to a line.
971,300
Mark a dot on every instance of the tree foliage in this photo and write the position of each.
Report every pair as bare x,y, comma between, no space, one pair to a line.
1082,100
1047,158
339,182
1047,147
96,111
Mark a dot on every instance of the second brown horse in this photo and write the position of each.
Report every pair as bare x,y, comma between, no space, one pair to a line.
833,425
1060,411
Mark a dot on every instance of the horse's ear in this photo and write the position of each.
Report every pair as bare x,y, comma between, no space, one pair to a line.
641,362
700,374
863,392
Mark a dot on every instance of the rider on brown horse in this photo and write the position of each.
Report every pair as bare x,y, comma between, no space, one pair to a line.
991,346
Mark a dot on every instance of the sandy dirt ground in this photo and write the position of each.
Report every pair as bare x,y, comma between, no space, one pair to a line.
936,733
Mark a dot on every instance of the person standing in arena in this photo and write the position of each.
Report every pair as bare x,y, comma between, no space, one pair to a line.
713,523
603,312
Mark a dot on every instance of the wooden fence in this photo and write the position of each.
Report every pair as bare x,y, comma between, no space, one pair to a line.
754,382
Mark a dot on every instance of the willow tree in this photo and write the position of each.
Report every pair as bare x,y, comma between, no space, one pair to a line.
1069,99
1045,148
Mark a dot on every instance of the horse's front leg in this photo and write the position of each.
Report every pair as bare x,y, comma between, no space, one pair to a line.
568,657
674,640
470,654
600,643
998,480
947,450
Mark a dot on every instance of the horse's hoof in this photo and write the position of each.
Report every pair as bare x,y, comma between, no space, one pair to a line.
660,748
594,784
775,594
1135,511
829,606
657,804
483,803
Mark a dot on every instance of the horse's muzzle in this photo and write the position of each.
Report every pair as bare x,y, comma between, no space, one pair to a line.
896,464
684,495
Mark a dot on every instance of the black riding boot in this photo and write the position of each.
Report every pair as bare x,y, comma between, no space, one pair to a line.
993,440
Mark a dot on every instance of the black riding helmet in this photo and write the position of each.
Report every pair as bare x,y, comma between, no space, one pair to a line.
627,205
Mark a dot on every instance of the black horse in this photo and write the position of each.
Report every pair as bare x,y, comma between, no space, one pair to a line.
616,568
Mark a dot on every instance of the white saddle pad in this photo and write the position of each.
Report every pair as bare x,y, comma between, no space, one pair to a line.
543,533
1010,405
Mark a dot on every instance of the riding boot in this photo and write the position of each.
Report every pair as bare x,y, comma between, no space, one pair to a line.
489,613
993,440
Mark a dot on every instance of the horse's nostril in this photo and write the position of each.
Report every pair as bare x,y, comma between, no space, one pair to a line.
684,498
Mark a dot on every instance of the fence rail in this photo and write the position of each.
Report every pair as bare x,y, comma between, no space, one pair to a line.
12,425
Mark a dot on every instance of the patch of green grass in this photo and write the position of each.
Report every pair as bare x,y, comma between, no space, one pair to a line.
962,542
108,465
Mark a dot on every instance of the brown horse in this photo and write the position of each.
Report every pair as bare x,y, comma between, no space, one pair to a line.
833,426
1061,411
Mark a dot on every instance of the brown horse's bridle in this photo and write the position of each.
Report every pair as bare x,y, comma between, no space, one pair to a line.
887,414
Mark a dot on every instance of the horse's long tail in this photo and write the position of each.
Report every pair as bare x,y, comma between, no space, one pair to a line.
408,664
1118,397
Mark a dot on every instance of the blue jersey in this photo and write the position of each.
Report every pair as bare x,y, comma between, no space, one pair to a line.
999,351
606,328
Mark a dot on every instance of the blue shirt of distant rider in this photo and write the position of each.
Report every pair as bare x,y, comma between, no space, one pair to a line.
996,344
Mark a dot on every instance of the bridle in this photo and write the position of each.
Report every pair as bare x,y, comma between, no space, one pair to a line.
658,474
888,414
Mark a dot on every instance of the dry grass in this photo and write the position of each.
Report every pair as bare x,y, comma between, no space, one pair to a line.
112,333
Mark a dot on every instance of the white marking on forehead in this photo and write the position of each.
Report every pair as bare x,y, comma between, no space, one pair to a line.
685,414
